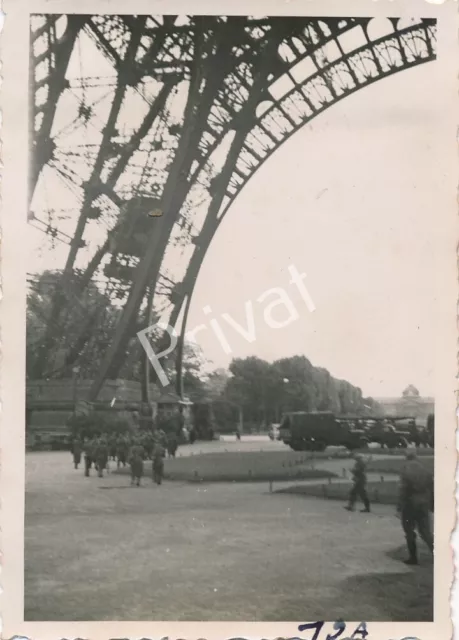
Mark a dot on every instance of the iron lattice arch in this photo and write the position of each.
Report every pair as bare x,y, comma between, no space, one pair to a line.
174,114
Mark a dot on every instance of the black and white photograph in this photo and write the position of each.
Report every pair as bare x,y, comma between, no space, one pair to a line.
236,235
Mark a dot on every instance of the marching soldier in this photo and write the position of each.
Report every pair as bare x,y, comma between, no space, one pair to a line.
158,463
122,450
359,473
415,502
148,443
172,445
162,439
136,456
112,446
101,456
76,452
88,447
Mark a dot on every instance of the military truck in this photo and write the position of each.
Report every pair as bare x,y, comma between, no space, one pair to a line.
383,432
416,434
317,430
397,431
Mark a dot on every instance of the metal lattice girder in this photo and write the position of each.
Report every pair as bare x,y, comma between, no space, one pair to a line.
51,45
245,85
296,104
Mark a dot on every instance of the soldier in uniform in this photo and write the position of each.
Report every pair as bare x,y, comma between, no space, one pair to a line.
112,446
136,456
172,445
158,463
122,450
101,456
415,502
148,444
76,452
162,439
88,448
359,473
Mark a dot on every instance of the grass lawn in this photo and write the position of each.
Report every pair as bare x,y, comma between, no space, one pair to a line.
97,549
421,452
395,465
378,492
246,466
235,466
382,492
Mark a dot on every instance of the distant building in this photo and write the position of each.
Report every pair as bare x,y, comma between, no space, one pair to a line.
410,403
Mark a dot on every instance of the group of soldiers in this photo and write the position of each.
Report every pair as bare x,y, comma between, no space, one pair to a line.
125,449
415,501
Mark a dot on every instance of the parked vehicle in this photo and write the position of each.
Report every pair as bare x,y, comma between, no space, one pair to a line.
416,434
315,431
284,430
397,431
384,433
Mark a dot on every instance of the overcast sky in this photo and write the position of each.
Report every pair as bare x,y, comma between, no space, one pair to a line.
350,200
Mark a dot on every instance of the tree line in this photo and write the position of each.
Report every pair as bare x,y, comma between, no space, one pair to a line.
251,388
259,392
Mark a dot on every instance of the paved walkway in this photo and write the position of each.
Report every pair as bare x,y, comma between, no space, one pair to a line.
97,549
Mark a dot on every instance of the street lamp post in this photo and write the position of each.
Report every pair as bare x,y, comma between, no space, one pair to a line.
285,382
241,419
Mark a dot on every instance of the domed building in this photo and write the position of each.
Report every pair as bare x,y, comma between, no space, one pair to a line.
410,403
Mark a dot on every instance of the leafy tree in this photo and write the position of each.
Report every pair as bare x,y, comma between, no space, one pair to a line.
80,344
216,382
252,386
87,332
263,391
